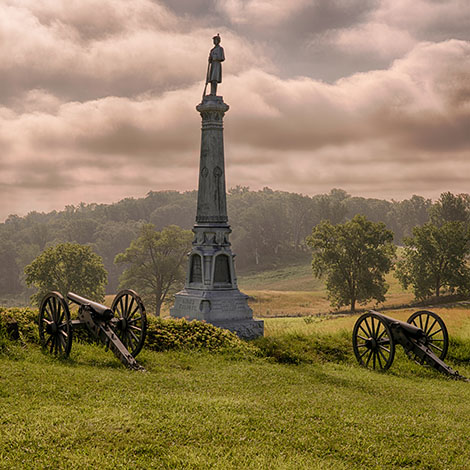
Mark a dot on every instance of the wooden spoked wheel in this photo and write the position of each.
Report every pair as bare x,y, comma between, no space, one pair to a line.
131,326
373,344
437,338
55,329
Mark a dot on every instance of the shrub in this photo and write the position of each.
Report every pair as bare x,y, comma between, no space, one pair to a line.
175,334
26,319
162,334
168,334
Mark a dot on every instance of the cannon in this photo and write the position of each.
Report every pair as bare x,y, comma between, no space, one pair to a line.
122,328
424,338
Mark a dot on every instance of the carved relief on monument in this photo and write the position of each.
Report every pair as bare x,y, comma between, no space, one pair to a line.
220,238
213,115
198,238
209,238
212,119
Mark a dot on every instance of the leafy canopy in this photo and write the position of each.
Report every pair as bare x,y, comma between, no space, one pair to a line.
155,263
353,257
450,208
434,258
67,267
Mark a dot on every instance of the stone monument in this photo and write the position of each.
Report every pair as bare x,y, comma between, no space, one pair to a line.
211,293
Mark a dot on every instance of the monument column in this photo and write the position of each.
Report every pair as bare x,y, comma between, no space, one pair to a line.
211,293
211,199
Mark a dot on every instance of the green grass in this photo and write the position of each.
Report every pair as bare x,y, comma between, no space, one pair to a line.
290,278
196,410
293,291
300,402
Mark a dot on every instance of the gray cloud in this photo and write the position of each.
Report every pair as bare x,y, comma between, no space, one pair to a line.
128,49
101,107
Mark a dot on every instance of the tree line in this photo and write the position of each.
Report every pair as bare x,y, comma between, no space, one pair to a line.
270,227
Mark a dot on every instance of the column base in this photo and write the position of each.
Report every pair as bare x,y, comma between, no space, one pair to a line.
224,308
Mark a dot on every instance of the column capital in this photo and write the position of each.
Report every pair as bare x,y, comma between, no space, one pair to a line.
212,104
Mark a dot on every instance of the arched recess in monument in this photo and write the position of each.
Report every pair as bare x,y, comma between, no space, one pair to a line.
222,273
195,272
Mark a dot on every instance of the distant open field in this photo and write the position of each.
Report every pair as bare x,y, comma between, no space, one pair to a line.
293,291
290,278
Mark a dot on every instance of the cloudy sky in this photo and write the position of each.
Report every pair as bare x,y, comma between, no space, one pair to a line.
97,97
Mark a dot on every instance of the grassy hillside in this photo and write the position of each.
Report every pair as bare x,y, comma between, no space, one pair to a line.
293,291
296,400
195,410
290,278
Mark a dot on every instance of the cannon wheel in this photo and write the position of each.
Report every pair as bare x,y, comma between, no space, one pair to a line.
373,343
132,325
435,330
55,328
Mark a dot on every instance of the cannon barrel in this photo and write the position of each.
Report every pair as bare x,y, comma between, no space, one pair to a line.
103,312
412,330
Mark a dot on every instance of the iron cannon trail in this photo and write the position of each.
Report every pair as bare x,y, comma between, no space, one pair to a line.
122,327
424,338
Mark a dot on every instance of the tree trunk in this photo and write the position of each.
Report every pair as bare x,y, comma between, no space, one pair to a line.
438,287
353,305
158,305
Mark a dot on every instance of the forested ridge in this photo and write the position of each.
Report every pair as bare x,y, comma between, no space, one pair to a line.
270,226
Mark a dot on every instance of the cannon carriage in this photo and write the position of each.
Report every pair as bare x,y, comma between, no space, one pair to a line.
121,327
423,336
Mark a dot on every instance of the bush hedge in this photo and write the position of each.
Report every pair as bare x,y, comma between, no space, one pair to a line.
26,320
162,334
168,334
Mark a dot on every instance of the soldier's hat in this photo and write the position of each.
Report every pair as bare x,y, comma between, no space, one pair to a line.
217,36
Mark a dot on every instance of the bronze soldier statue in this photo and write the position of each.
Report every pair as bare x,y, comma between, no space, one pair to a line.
214,69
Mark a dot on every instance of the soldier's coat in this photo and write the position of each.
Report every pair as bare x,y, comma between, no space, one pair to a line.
217,56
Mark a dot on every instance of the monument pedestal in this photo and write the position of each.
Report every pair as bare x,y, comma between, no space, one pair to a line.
223,308
211,293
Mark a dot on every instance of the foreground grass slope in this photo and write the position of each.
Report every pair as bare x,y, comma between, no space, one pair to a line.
296,400
197,410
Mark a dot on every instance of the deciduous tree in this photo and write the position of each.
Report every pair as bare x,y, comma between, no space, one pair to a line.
67,267
450,208
353,257
434,259
155,263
